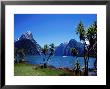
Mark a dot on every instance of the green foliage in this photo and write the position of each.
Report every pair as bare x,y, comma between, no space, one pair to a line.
20,54
74,52
52,45
48,51
45,49
77,65
91,35
81,31
52,49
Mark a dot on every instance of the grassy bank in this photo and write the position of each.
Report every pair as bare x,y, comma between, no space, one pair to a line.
22,69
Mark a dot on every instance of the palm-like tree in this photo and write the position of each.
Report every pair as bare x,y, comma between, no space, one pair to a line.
92,37
45,49
45,52
48,51
82,35
51,49
92,34
81,31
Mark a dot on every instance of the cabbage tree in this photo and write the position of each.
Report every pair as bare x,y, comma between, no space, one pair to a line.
47,52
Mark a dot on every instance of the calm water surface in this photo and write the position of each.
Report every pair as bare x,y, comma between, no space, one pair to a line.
60,61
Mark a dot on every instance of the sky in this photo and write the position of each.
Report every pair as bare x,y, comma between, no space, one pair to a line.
51,28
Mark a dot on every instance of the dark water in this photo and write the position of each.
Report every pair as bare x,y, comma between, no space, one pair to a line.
60,61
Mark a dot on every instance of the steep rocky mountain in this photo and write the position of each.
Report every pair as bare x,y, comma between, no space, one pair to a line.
31,47
27,42
60,50
65,49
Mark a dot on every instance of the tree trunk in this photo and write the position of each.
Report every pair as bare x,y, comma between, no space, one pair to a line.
85,61
45,65
87,67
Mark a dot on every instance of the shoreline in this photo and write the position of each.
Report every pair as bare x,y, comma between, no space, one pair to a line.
68,70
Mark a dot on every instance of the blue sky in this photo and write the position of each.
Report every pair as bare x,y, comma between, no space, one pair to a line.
51,28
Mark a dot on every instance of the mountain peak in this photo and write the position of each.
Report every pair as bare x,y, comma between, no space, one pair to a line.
26,35
28,32
27,42
73,40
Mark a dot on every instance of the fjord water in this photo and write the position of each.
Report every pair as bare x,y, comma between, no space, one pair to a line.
60,61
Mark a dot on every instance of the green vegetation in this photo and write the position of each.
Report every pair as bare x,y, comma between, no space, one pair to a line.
74,52
22,69
77,69
90,35
47,52
19,53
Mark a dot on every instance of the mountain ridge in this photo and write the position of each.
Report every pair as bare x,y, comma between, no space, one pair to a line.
31,47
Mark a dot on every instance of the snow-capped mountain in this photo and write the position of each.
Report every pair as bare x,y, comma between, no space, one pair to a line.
27,35
31,47
27,42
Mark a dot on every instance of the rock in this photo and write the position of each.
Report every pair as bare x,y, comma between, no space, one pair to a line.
64,49
28,44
